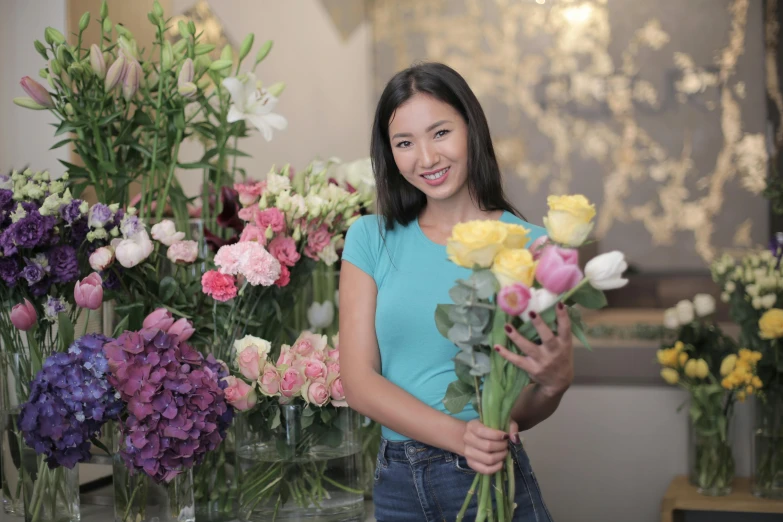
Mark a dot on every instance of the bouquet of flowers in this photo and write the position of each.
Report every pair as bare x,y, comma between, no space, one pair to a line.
297,423
507,283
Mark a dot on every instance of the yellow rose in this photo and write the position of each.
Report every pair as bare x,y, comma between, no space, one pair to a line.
570,219
702,369
691,368
514,266
476,242
727,366
667,357
518,236
771,324
671,376
683,358
756,382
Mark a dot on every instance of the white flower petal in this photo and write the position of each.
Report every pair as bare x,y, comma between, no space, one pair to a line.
276,121
234,114
236,88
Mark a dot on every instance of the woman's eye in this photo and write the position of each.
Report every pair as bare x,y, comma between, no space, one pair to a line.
441,133
404,144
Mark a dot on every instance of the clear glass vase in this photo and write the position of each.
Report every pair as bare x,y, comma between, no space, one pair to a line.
768,447
711,458
50,495
216,483
11,397
307,466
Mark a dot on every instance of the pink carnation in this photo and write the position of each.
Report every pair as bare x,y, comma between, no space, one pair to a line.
317,240
271,217
220,286
284,250
249,192
253,233
261,267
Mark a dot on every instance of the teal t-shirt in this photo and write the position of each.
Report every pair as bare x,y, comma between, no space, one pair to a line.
413,275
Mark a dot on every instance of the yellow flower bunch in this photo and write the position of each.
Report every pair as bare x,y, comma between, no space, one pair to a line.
739,373
674,357
675,361
771,324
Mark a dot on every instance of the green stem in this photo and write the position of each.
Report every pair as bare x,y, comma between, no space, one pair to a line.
466,503
341,486
162,202
153,166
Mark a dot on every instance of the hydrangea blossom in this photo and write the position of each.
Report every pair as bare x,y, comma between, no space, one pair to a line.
175,402
70,399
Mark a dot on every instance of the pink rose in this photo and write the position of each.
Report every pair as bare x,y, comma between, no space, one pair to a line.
271,217
314,369
252,233
183,329
249,192
249,362
287,357
318,356
316,394
337,392
160,319
536,247
285,277
513,299
332,370
558,269
102,258
291,382
183,252
284,250
333,355
317,240
308,342
240,394
88,293
24,316
269,382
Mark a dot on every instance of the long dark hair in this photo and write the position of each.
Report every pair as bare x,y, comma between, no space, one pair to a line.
398,201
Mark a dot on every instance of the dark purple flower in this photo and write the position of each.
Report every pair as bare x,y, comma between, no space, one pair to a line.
71,211
6,200
100,214
29,231
64,266
9,270
79,230
33,273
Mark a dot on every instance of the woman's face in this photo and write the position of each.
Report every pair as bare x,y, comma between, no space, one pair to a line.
429,140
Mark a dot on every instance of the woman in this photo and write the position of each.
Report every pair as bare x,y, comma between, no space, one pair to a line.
434,167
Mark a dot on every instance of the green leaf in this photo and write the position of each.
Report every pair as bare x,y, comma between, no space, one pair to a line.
108,119
458,395
168,287
307,421
75,170
462,333
442,320
121,327
204,49
326,415
485,283
577,327
463,372
100,445
196,165
64,331
66,127
275,419
461,294
589,297
60,144
236,152
108,167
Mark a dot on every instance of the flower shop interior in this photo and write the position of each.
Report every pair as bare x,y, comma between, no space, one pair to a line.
139,129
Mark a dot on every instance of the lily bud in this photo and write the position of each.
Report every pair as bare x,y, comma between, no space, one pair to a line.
43,73
53,36
227,53
116,73
54,68
104,9
28,103
129,46
186,72
153,18
192,27
40,48
203,48
84,21
37,92
219,65
179,47
204,83
183,29
107,25
202,63
63,58
157,9
150,77
122,31
108,59
187,90
264,51
97,62
247,44
277,89
297,235
167,56
130,84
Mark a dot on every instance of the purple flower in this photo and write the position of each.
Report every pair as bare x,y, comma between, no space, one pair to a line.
30,230
54,306
6,200
100,214
79,230
130,226
70,399
9,270
64,266
71,211
111,279
33,273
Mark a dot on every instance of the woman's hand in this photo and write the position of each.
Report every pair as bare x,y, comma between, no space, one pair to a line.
486,448
549,364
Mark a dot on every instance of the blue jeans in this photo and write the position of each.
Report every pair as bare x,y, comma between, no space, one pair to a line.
415,482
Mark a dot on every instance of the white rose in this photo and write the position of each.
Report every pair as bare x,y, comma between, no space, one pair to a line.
768,301
320,315
671,319
605,271
685,312
102,258
263,346
757,303
752,290
131,252
704,305
166,232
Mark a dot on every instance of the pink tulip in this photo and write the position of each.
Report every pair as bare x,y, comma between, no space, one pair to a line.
160,319
88,293
23,316
558,269
536,247
183,329
240,394
513,299
37,92
249,362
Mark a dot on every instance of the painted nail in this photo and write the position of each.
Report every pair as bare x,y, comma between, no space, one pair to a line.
533,315
508,328
515,438
560,305
497,348
505,436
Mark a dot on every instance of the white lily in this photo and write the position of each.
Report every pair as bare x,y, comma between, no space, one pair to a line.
254,104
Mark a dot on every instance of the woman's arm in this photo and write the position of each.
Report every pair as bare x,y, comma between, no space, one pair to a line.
371,394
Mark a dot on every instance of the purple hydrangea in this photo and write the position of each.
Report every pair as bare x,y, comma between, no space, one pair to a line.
71,211
63,264
70,399
177,410
9,270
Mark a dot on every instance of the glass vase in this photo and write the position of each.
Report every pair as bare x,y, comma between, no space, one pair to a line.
371,443
50,495
305,466
215,481
768,447
711,457
11,397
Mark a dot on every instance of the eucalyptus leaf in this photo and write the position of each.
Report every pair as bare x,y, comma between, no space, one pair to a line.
461,333
458,395
442,320
482,365
461,294
485,283
463,372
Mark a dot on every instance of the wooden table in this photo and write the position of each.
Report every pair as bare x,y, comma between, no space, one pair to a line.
682,496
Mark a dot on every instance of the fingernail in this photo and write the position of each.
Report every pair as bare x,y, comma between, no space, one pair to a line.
515,438
533,315
560,305
508,328
497,347
505,436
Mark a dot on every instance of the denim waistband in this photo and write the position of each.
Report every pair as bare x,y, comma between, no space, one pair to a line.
413,451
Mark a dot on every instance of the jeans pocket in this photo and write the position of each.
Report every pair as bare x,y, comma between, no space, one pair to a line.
461,465
378,468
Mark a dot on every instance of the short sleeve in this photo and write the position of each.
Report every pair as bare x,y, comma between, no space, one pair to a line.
361,245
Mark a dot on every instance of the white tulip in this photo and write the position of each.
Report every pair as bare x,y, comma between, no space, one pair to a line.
605,271
166,232
131,252
671,319
321,315
541,300
685,312
704,305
